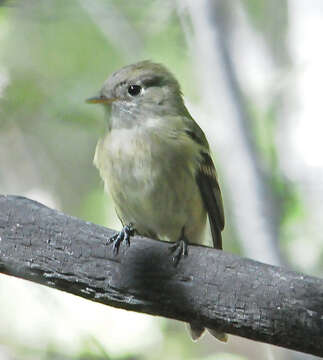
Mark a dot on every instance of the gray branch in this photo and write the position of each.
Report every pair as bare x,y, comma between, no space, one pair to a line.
220,290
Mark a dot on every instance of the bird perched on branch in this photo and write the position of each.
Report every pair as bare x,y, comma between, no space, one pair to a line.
155,161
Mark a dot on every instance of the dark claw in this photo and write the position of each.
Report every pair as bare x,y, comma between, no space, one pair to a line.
127,238
123,235
112,239
116,243
180,248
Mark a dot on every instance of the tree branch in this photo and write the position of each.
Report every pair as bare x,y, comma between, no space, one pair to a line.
220,290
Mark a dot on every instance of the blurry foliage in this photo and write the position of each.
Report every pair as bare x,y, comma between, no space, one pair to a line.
264,124
56,56
270,18
263,128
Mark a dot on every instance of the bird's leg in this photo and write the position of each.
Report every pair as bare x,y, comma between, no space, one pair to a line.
180,248
124,235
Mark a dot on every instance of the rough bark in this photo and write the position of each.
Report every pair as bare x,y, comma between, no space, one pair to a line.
220,290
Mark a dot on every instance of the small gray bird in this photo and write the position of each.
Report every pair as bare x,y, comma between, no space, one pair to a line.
155,162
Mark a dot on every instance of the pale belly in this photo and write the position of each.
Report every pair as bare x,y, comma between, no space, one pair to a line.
157,193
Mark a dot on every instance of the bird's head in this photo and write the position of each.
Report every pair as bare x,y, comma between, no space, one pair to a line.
139,91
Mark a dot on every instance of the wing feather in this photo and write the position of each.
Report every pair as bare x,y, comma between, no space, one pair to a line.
211,194
207,181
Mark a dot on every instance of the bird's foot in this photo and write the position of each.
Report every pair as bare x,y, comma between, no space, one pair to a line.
180,248
123,235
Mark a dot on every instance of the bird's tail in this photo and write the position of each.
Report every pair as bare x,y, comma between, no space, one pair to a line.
221,336
196,331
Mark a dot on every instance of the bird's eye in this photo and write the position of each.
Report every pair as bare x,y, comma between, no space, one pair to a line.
134,90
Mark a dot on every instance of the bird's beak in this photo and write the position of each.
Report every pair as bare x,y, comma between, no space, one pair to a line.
100,100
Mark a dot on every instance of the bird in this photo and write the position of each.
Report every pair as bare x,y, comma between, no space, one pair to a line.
156,164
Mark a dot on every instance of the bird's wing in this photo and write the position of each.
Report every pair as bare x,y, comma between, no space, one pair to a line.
207,181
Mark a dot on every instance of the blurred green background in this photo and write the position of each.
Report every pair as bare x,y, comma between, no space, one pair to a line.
251,72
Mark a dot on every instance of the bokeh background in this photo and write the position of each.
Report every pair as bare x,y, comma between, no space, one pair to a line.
251,72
